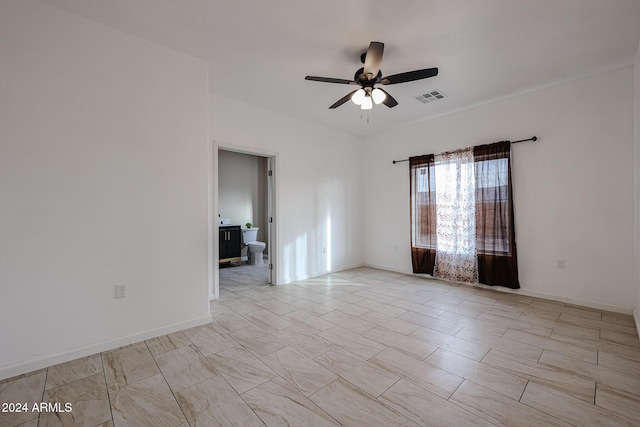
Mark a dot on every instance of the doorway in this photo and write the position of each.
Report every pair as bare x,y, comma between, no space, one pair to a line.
244,198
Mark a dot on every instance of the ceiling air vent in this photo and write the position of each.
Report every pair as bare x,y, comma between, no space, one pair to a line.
434,95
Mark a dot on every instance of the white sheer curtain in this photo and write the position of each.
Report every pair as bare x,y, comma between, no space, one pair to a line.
456,257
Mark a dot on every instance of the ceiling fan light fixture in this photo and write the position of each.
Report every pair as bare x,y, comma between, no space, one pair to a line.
367,104
378,96
358,97
370,75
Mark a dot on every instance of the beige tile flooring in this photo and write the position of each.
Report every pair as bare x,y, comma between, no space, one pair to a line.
362,347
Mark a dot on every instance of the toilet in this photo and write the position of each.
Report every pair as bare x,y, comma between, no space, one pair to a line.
254,248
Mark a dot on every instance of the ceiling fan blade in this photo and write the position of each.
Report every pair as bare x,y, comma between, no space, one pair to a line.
373,59
342,100
330,80
409,76
389,101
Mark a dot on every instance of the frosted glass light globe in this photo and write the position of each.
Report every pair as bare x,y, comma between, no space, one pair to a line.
378,95
366,103
358,96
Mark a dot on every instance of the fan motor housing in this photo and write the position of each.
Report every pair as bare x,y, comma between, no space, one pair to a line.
362,79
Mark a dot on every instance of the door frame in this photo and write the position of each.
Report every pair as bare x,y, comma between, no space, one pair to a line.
273,255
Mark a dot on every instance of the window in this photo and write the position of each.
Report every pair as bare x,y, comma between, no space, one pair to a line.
424,206
492,205
440,190
423,209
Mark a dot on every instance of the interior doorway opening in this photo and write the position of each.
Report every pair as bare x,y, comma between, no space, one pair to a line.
244,210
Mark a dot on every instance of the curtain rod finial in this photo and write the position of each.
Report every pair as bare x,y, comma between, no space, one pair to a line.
534,139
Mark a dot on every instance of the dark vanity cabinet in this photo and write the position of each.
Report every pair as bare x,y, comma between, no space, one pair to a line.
230,238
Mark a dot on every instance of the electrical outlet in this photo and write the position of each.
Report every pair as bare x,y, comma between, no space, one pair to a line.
395,248
121,291
560,264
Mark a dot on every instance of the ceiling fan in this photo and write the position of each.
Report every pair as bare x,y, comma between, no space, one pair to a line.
370,75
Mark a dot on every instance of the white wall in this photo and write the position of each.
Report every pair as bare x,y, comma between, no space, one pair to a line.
573,189
103,177
319,181
242,186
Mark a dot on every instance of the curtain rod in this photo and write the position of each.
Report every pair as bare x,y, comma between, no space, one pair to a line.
535,138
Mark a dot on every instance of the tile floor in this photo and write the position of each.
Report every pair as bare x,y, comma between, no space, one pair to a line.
363,347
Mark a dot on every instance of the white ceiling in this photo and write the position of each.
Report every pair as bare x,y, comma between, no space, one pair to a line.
260,50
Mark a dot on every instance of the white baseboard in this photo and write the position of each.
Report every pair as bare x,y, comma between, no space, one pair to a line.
525,292
23,368
566,300
395,270
286,280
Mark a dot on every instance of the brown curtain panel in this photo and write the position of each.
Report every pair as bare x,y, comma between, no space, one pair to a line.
423,213
495,231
